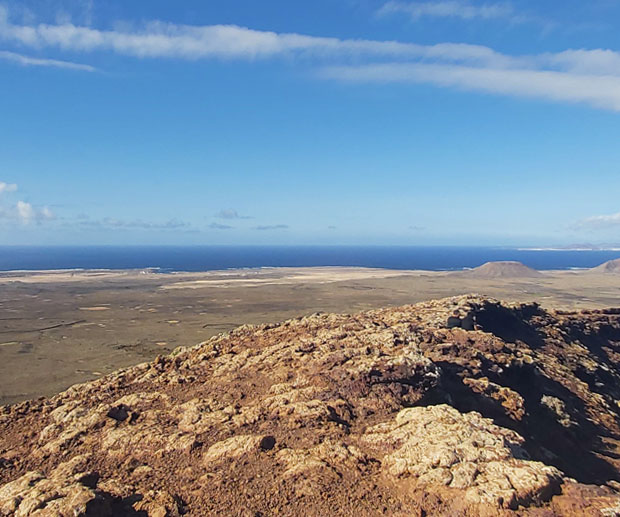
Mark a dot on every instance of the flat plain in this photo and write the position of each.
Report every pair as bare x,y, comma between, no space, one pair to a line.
59,328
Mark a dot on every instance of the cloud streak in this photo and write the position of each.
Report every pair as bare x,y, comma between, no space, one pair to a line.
158,39
120,224
449,9
230,214
54,63
218,226
596,89
599,222
264,228
590,76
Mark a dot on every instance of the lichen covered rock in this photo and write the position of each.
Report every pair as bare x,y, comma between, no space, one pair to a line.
437,446
67,492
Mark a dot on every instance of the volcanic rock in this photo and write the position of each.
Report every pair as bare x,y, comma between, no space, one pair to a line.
611,266
507,269
386,412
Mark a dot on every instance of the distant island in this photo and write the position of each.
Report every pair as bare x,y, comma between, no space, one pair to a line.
503,269
575,247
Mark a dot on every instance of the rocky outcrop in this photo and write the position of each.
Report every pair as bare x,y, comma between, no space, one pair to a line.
67,491
395,412
439,447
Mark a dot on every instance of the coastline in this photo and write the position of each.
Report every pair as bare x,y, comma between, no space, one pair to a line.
199,259
77,272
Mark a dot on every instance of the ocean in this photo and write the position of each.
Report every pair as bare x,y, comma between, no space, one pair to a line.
209,258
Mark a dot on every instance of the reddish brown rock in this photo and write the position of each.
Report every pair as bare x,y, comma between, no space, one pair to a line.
384,412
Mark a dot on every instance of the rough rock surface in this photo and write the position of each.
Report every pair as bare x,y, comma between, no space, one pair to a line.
387,412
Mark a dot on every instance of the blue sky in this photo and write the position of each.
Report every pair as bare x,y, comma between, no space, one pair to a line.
324,122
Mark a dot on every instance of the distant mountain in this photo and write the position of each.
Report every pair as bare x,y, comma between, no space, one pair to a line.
507,269
576,247
612,266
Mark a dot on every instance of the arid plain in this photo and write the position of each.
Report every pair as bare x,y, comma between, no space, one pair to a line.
61,328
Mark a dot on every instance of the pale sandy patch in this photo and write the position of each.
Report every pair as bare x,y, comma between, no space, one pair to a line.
287,276
51,276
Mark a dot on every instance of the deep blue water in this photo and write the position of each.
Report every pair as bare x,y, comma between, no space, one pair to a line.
205,258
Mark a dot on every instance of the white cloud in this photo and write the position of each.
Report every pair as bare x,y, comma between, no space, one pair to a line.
601,91
450,9
7,187
599,222
596,61
160,39
31,61
576,75
46,213
25,211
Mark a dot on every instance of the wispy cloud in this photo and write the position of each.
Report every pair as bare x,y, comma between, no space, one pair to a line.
599,89
7,187
574,75
161,39
598,222
581,61
271,227
218,226
113,223
450,9
32,61
229,213
46,214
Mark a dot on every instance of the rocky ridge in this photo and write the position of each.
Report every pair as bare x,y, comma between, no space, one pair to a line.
506,410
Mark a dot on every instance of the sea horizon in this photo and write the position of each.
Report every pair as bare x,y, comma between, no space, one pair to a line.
196,258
